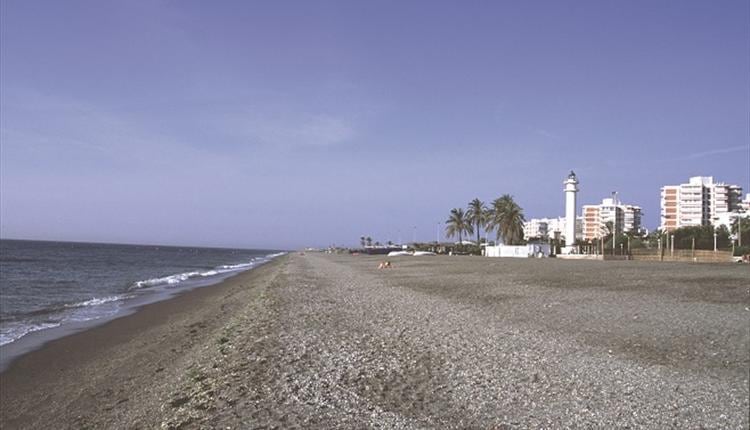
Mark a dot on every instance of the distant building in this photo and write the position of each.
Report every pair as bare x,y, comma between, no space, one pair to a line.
535,228
745,204
632,219
726,219
592,225
623,218
548,228
699,202
555,227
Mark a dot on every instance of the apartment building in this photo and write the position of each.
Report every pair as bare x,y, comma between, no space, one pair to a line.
670,200
632,216
745,204
701,201
623,218
547,228
535,228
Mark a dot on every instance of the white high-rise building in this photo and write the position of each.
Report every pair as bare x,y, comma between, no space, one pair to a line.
745,204
632,219
535,228
548,228
623,218
555,227
699,202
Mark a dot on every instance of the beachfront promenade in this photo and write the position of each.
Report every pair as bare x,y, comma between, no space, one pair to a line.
330,341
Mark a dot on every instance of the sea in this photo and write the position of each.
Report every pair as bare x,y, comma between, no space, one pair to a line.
62,287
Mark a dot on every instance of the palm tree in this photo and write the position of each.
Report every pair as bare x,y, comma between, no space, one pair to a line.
362,241
506,217
494,216
368,240
476,214
458,224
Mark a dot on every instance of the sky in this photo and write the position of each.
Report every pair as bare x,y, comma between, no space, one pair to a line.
288,124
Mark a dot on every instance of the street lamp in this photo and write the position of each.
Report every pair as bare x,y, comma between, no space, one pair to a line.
671,245
614,236
739,226
714,239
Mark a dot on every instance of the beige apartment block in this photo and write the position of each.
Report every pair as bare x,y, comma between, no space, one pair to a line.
699,202
623,218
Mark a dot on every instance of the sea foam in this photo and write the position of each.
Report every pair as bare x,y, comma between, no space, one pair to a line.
98,301
16,331
181,277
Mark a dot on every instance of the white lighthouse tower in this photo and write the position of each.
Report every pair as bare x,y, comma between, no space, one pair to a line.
571,190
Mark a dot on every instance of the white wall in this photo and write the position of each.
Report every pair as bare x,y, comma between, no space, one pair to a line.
522,251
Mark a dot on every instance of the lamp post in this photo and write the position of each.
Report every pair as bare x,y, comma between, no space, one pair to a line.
661,250
739,227
692,249
714,239
614,236
671,245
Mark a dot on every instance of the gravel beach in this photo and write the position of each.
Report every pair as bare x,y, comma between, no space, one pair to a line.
330,341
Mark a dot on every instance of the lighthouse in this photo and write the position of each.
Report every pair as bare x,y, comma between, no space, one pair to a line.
571,190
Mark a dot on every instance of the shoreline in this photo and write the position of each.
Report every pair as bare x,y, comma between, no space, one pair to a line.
151,330
36,339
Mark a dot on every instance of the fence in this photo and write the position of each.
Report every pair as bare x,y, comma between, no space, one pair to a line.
699,255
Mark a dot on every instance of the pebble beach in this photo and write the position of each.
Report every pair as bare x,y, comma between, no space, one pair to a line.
330,341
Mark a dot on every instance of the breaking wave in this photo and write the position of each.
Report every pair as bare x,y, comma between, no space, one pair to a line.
19,330
225,268
97,301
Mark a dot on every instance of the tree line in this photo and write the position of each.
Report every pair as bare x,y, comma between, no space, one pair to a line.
702,237
366,241
503,216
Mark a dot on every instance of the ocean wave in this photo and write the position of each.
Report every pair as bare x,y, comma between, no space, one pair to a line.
166,280
97,301
278,254
237,266
56,309
181,277
14,327
16,331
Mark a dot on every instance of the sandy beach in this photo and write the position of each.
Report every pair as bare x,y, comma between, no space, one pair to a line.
330,341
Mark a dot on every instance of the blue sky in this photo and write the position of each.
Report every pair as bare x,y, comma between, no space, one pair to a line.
287,124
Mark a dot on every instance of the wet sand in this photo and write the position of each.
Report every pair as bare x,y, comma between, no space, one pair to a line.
328,341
